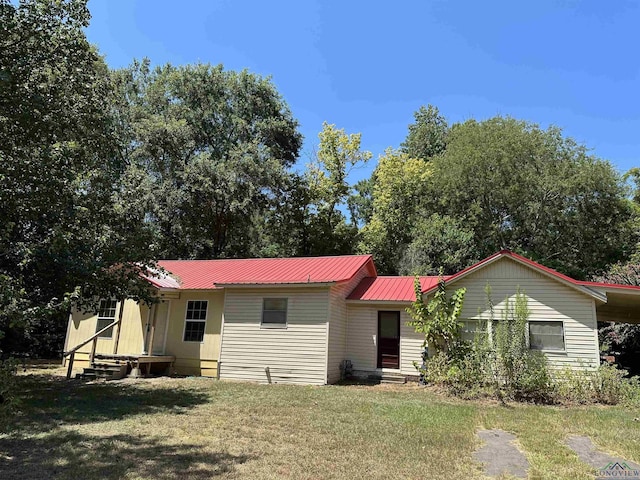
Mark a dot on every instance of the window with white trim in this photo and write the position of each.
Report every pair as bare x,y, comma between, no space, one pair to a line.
274,312
546,335
195,320
106,316
471,328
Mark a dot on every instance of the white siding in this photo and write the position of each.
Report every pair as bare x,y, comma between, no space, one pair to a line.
548,299
362,334
295,354
337,351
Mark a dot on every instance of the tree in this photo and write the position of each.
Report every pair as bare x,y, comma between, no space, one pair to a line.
437,243
338,153
400,183
534,191
215,146
61,231
427,137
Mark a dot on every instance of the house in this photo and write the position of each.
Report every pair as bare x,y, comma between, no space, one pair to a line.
296,320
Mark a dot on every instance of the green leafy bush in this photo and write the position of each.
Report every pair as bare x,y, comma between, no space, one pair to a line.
607,384
8,387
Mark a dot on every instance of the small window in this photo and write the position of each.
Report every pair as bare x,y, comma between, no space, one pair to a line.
195,320
106,316
274,312
546,336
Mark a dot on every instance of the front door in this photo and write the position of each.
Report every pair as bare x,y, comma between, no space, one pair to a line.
389,340
160,332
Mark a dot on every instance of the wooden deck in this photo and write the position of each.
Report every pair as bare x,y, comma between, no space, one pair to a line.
136,358
138,363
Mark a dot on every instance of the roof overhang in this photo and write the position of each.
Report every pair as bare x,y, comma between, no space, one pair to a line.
379,302
274,285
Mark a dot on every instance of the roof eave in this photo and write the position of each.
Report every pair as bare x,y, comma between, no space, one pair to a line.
378,301
274,285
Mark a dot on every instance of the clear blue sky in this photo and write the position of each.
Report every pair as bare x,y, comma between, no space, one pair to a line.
368,65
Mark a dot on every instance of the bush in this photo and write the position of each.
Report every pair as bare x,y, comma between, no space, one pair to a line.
607,384
8,386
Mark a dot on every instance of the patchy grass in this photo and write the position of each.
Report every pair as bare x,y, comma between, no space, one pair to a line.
198,428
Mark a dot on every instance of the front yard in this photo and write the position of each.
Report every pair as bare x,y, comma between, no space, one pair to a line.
200,428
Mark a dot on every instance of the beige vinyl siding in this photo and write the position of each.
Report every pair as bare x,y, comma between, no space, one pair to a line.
548,299
191,358
337,351
83,325
362,332
195,358
295,354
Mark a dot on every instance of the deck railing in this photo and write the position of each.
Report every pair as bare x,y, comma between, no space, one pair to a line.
72,353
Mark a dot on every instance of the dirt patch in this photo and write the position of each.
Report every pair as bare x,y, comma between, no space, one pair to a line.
500,454
589,454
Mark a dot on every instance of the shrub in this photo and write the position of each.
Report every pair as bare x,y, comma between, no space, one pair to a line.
607,384
8,387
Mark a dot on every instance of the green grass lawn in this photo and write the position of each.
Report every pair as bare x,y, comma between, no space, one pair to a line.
200,428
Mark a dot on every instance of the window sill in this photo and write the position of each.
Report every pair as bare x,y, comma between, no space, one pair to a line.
559,352
272,327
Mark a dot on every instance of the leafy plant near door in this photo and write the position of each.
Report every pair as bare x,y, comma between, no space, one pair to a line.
438,320
498,362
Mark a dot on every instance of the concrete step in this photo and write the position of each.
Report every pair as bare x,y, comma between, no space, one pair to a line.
393,378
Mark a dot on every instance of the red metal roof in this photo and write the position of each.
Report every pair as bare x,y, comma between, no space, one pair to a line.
209,274
394,289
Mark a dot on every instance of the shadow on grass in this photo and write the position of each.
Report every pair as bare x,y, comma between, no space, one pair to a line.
70,455
48,401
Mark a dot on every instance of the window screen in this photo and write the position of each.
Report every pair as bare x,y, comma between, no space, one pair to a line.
546,335
274,311
106,316
195,320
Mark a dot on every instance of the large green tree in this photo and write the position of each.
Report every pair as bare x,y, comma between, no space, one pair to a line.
338,153
212,147
427,135
63,222
534,191
400,185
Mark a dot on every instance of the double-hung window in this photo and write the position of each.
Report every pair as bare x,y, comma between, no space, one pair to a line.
471,328
274,312
106,316
195,320
546,335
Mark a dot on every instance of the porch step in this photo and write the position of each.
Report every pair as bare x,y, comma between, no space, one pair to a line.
108,371
393,378
396,378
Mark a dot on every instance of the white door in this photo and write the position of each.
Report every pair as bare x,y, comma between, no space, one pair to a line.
162,316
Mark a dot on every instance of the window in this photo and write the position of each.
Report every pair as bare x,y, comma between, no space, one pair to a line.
195,320
274,312
106,316
546,336
471,328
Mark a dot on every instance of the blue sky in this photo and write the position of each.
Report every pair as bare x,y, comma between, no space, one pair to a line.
366,66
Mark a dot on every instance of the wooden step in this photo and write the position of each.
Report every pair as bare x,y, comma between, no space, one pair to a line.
108,371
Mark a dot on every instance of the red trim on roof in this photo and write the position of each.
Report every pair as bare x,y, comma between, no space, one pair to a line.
608,285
